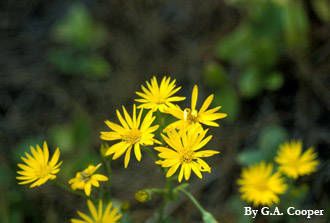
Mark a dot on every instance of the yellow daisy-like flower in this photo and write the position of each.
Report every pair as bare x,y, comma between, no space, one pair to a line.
99,214
87,178
37,168
260,186
293,162
132,133
185,151
158,96
193,116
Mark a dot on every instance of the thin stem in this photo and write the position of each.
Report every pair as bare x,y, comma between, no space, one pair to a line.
193,200
107,165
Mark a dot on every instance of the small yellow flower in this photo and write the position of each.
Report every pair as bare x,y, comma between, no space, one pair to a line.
185,151
99,214
158,97
191,116
142,196
132,133
260,186
293,162
85,179
37,168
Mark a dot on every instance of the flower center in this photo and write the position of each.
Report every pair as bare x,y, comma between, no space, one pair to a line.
160,101
187,156
133,136
190,115
261,186
44,171
85,176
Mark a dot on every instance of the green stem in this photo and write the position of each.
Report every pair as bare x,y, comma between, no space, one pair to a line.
107,165
207,216
193,200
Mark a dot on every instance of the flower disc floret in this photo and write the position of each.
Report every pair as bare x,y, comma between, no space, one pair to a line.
184,150
132,133
192,116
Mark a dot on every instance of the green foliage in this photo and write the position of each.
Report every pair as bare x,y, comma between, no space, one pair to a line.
250,83
236,205
295,26
70,62
79,39
267,144
228,98
78,29
216,77
322,8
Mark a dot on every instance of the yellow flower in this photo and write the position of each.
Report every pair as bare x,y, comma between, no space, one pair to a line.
133,132
37,168
293,162
85,179
260,186
191,116
158,97
185,151
98,215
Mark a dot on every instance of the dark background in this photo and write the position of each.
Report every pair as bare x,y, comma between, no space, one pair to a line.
65,66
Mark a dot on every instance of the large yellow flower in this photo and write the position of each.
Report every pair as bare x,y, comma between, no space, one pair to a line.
193,116
293,162
87,178
260,186
99,214
133,132
184,150
37,168
158,97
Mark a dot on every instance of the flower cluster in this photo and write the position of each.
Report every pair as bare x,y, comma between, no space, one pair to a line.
178,145
182,139
261,185
179,150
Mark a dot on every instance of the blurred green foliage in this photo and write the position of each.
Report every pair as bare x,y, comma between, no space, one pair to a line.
322,8
79,39
254,49
269,139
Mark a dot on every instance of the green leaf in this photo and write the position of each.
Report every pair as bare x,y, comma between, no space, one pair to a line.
274,81
270,138
250,156
72,63
229,101
322,9
295,26
215,75
62,136
79,30
235,47
250,83
96,67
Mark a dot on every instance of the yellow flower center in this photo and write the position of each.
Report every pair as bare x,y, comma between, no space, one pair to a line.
261,186
187,156
190,115
44,171
85,176
133,136
160,101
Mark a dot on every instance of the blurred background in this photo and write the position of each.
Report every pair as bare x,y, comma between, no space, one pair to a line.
65,66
